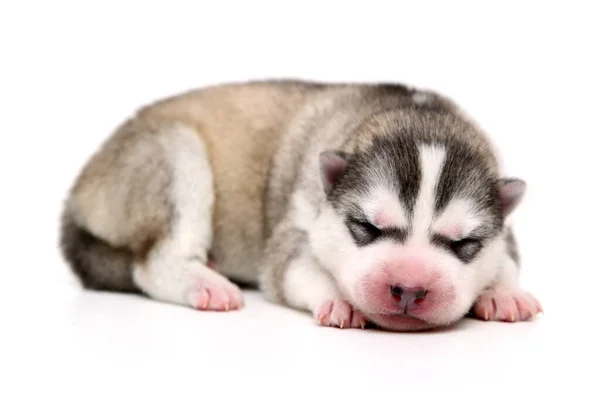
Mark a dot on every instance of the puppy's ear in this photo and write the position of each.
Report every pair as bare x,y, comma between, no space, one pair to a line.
511,191
332,163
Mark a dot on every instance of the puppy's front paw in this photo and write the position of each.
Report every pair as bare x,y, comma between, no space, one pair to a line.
339,313
509,305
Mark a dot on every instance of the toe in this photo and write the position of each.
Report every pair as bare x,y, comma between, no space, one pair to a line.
237,299
358,320
216,296
341,314
225,298
484,307
324,312
336,313
200,298
506,308
528,306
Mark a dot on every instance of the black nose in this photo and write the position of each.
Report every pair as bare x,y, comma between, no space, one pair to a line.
408,298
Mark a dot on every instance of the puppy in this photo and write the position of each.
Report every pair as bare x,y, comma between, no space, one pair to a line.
358,203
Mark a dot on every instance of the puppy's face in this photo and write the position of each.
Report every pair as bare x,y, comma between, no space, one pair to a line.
412,230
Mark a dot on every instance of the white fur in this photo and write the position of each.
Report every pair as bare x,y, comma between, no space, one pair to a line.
384,200
508,271
432,161
333,247
303,212
180,259
192,191
459,213
421,98
471,281
306,285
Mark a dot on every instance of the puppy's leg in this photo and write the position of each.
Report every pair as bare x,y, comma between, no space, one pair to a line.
149,191
292,276
505,300
176,269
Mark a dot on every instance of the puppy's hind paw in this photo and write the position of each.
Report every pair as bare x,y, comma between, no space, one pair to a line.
216,293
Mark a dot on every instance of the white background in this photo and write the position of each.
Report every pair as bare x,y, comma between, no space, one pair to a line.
70,72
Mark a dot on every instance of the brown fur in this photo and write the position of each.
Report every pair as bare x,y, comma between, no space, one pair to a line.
240,126
121,194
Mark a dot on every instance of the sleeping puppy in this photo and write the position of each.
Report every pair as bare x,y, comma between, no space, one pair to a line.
358,203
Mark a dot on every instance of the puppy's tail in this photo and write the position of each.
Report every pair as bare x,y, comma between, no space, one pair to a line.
97,265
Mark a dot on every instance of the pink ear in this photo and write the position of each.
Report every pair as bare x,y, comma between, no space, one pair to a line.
512,191
332,164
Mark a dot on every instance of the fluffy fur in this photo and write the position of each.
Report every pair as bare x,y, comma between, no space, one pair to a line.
355,202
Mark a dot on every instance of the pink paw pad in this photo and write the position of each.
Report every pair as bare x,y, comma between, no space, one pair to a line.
216,296
339,313
506,305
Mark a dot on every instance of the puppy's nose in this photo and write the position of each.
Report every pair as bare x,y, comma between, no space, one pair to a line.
408,298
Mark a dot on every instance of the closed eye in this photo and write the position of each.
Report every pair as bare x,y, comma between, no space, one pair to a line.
365,233
464,249
363,230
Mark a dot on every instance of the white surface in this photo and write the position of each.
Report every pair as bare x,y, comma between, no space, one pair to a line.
71,72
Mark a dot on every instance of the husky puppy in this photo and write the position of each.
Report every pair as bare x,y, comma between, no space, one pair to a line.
358,203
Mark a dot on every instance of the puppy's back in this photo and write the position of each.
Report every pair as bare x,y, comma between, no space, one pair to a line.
240,125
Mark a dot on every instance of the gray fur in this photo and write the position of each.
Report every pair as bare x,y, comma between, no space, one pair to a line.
98,265
284,245
512,247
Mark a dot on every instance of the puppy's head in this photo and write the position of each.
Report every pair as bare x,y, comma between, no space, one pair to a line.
413,223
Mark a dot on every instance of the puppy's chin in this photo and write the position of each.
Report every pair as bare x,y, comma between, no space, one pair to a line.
407,323
400,323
